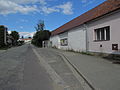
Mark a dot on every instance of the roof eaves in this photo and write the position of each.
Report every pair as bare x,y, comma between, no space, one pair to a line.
102,9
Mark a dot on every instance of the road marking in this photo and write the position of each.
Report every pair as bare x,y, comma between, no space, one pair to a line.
59,82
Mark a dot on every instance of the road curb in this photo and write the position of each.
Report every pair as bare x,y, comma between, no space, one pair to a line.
59,83
90,85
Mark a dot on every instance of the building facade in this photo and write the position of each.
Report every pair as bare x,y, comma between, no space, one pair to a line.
3,35
95,31
104,33
74,39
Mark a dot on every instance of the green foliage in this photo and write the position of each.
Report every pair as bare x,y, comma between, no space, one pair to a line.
40,36
46,34
40,26
19,43
15,35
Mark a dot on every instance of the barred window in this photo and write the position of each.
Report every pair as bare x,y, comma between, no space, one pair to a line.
102,34
64,42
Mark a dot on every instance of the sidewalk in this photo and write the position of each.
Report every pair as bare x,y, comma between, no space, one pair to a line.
101,73
59,71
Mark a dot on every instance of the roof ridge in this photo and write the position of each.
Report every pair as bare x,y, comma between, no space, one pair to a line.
100,10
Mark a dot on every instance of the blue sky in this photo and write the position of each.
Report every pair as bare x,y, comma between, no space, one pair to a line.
23,15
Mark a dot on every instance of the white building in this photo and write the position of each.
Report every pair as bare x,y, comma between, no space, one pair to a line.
74,39
26,40
96,30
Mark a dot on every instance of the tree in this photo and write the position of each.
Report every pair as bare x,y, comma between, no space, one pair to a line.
40,26
40,35
15,36
46,34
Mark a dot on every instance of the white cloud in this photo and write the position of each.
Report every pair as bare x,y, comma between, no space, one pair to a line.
27,1
48,10
43,2
7,7
27,34
26,6
87,2
66,8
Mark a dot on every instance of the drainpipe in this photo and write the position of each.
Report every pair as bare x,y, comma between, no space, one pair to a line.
87,42
5,36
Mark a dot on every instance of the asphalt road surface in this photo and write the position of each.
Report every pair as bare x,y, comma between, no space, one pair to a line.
20,70
29,68
35,76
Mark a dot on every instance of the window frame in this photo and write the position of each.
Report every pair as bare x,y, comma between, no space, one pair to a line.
102,34
64,42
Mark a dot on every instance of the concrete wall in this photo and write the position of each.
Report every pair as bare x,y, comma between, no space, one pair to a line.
113,21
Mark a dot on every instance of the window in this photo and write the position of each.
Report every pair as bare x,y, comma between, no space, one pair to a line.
64,42
102,34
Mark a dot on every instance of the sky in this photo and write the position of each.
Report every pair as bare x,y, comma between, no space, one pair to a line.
23,15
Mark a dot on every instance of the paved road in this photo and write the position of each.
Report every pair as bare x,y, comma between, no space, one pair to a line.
30,68
35,76
20,70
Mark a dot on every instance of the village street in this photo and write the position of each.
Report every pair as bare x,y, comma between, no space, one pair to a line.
20,70
79,40
31,68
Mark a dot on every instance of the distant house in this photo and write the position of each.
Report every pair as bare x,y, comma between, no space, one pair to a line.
3,35
95,31
26,39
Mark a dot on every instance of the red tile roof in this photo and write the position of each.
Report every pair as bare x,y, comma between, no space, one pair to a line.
104,8
26,39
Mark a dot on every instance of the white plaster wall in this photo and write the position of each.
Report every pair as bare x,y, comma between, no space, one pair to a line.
55,41
77,39
114,22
